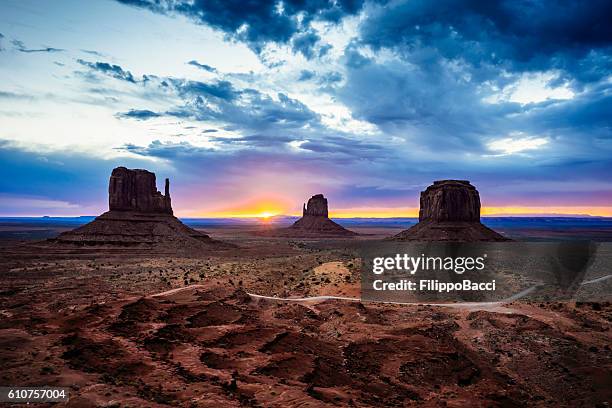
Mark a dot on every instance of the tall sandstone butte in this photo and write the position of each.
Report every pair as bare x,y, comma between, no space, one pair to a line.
315,222
316,207
450,200
138,216
136,190
449,211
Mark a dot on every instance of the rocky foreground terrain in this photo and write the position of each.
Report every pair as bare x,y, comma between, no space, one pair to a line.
137,309
155,330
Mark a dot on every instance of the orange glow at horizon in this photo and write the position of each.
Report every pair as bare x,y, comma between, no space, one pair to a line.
268,209
264,208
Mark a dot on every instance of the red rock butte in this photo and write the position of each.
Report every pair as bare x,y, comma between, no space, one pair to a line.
136,190
449,211
315,222
139,216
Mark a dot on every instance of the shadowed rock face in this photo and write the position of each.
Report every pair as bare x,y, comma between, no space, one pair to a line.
450,211
136,190
450,200
139,216
314,222
317,206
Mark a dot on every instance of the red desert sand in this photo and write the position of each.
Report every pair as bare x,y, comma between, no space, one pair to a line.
125,319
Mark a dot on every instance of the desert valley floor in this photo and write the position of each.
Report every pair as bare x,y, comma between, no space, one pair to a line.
126,328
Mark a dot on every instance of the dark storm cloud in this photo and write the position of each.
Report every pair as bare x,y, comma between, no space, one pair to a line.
139,114
20,46
429,104
202,66
166,150
218,89
246,109
449,57
305,43
284,111
112,70
217,100
306,75
437,107
330,78
258,22
537,35
353,58
324,49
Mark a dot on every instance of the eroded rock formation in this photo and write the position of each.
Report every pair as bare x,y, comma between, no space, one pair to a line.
136,190
315,222
449,211
450,200
315,219
139,216
317,206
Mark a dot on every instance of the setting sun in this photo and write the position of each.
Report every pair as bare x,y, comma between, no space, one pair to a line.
255,208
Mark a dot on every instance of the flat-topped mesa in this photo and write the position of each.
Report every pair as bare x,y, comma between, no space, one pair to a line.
139,216
314,223
450,200
450,211
317,206
136,190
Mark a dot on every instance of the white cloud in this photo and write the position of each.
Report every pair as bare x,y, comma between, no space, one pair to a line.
512,145
532,88
296,144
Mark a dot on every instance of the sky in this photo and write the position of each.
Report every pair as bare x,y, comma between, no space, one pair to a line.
252,107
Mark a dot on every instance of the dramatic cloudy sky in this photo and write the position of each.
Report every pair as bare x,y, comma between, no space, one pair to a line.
252,107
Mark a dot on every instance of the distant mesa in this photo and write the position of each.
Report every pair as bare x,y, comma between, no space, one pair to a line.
138,216
315,222
449,211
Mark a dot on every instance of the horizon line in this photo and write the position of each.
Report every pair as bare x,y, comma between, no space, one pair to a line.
267,211
270,217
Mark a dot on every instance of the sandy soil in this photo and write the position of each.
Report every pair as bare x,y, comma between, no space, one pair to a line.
123,329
